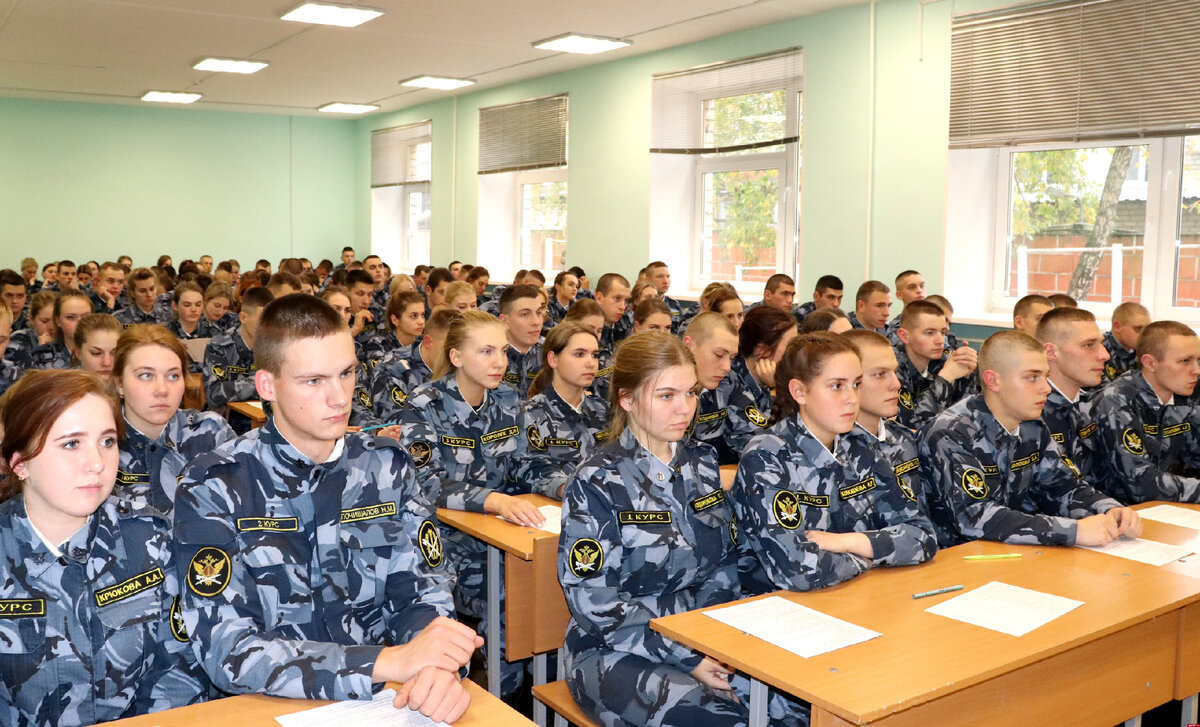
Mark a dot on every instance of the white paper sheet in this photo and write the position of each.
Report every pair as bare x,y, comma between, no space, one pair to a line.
1008,609
255,404
378,712
553,515
1172,515
1143,551
792,627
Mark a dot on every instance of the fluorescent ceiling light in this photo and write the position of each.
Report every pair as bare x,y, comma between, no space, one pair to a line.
170,97
346,16
441,83
347,108
229,65
576,43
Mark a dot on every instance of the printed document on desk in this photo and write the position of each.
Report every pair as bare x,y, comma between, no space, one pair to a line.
1172,515
791,627
378,712
1008,609
1149,552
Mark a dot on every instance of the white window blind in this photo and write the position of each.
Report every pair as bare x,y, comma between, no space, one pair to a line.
397,156
683,125
1075,70
525,135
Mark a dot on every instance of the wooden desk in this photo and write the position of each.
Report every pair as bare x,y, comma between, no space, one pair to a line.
1187,673
1108,660
535,606
255,710
252,410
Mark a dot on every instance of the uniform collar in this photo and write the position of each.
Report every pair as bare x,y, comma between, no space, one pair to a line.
135,438
1055,391
288,453
810,446
1147,393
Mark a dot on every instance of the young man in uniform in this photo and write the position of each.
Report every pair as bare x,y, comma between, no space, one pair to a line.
658,273
1147,446
713,341
930,380
1028,311
872,305
1129,319
779,292
522,314
435,290
1073,349
827,294
910,286
228,371
878,405
994,473
306,549
613,293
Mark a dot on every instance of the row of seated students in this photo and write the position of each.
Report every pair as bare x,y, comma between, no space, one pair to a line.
303,561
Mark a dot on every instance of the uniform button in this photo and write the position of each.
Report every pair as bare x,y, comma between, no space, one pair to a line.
123,508
660,476
78,552
353,695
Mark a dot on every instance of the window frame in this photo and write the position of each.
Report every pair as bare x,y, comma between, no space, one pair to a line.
399,250
536,176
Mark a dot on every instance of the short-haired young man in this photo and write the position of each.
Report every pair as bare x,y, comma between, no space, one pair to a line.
435,289
948,309
108,292
228,371
14,295
910,286
522,314
1129,319
658,273
1147,446
284,283
307,549
613,294
374,266
361,288
826,294
346,259
713,341
143,289
931,381
205,262
993,471
65,276
779,292
1076,356
1029,311
872,306
878,405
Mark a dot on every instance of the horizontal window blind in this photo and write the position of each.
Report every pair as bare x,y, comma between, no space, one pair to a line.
1075,70
525,135
677,98
392,157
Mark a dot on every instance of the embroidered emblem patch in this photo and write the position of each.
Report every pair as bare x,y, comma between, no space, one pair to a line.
430,542
535,438
974,485
178,628
398,396
209,572
586,558
1071,466
420,452
1133,442
906,399
755,416
787,509
219,372
906,489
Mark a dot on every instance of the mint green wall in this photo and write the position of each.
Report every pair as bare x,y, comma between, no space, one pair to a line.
84,181
897,181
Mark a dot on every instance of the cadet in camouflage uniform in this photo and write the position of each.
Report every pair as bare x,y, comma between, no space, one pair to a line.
713,342
814,470
522,314
143,284
930,379
89,621
764,335
1129,319
1146,439
160,439
1004,479
463,435
69,307
229,367
1077,357
302,561
400,372
559,434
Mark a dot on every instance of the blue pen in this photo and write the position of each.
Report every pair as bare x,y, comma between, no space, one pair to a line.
378,426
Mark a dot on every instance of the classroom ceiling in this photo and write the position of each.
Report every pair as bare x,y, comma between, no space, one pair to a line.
113,51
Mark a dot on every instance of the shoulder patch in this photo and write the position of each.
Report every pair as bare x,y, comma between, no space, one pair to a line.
219,372
1133,442
209,572
733,530
906,399
22,607
1071,466
398,396
430,542
535,438
906,489
364,400
585,558
973,484
755,416
786,508
421,453
178,628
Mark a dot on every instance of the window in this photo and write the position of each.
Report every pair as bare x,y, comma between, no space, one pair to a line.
401,170
727,139
523,178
